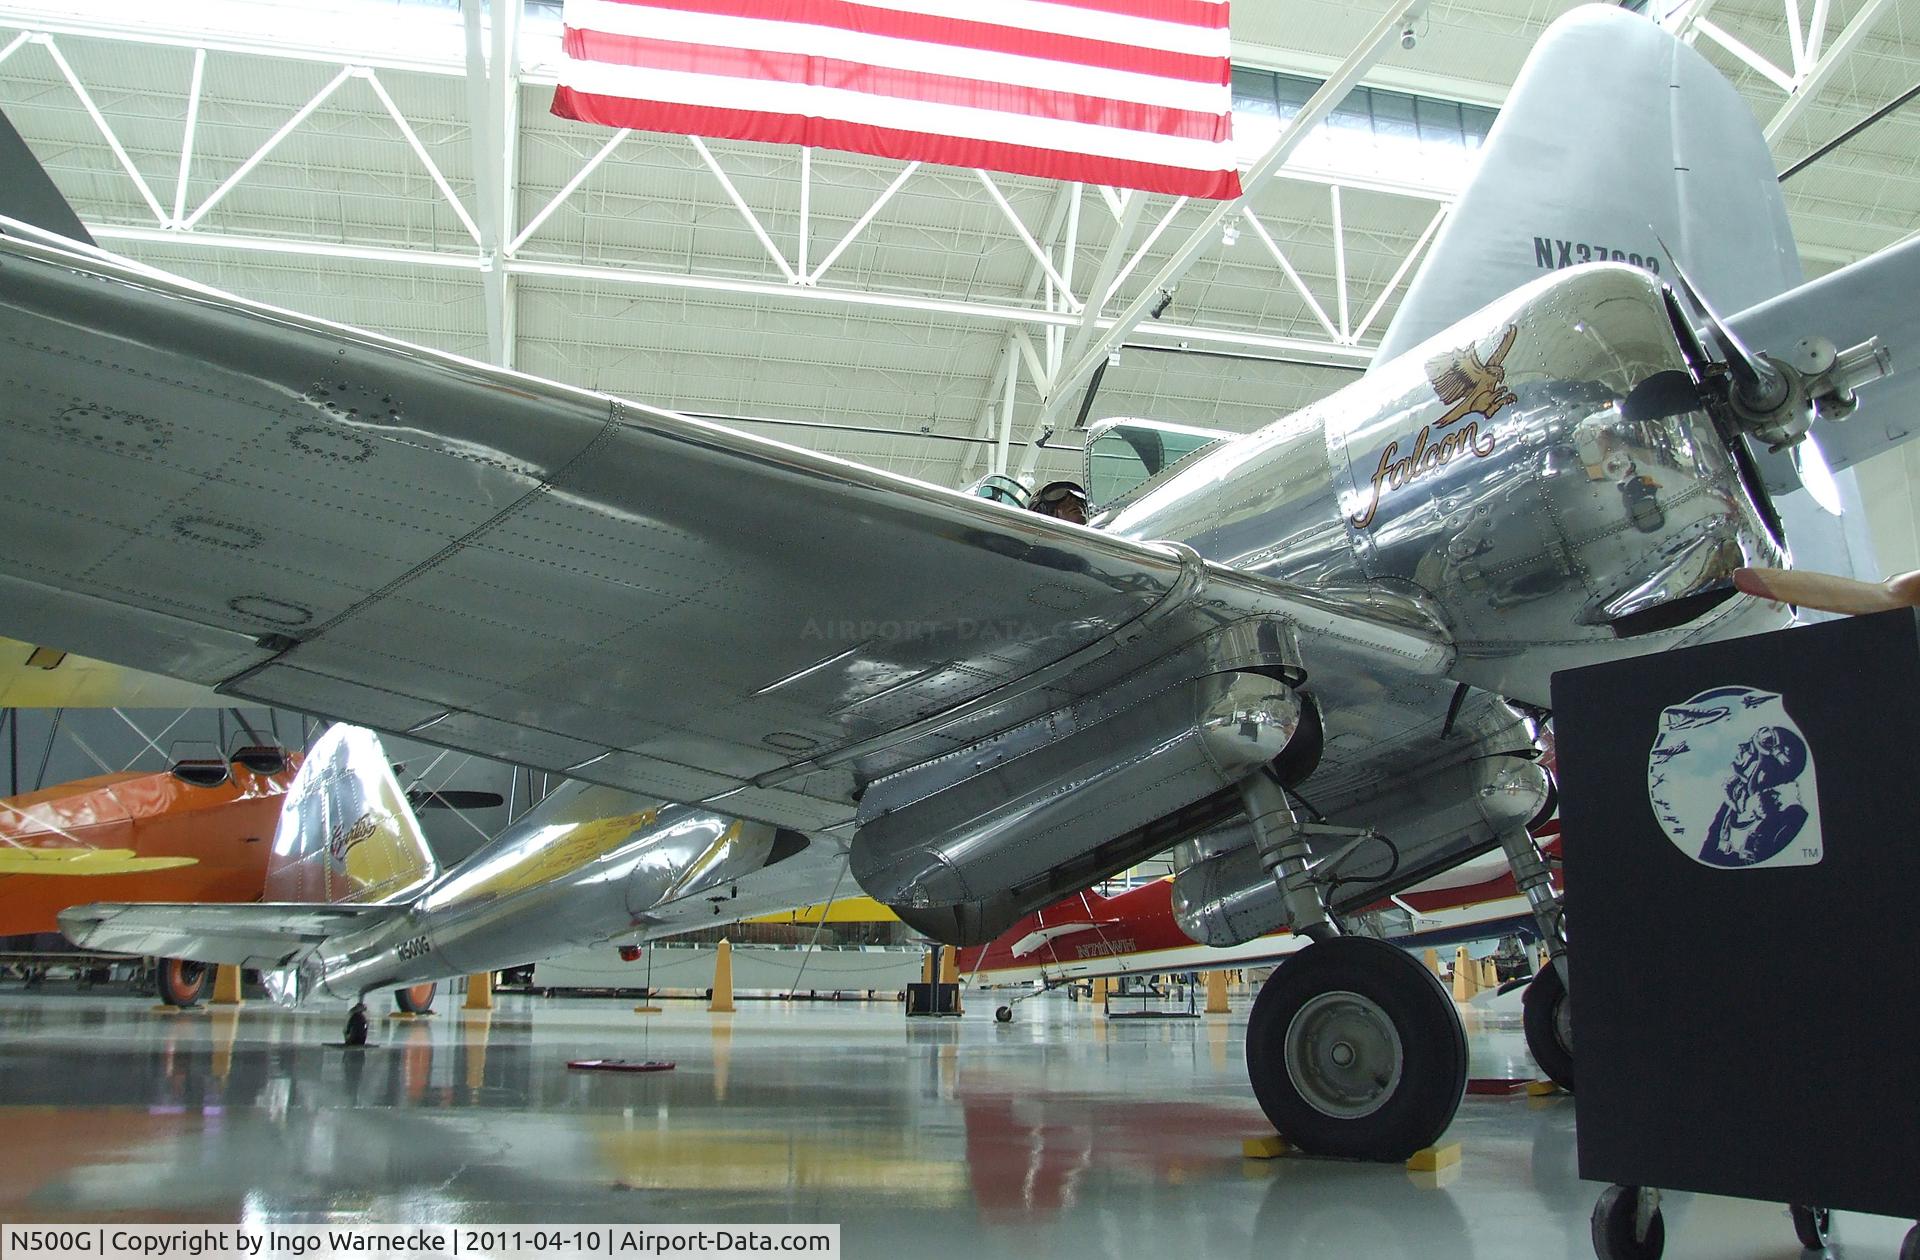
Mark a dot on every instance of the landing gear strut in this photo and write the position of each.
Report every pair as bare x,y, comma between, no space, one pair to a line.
357,1025
1353,1047
1548,1008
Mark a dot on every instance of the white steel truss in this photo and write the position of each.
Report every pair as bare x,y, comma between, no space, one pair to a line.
1058,326
1813,60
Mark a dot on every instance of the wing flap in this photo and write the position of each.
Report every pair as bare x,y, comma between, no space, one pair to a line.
263,935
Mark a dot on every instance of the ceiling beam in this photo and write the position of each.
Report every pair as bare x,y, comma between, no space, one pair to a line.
1207,234
1810,86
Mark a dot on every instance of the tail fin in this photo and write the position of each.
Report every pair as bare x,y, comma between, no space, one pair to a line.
27,192
346,833
1615,137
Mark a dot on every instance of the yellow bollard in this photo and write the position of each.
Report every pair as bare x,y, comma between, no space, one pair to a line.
1463,975
722,1003
479,992
722,1057
226,986
474,1034
1489,974
1217,993
950,973
1100,992
226,1029
1433,963
926,965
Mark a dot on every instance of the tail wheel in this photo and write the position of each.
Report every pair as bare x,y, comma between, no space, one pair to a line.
181,982
1548,1016
1355,1050
415,999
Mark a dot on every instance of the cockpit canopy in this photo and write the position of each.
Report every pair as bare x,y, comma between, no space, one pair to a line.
1123,454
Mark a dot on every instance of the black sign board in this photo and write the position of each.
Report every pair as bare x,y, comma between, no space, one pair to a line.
1743,904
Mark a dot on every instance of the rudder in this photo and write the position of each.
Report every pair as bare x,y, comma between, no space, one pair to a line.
346,832
1616,136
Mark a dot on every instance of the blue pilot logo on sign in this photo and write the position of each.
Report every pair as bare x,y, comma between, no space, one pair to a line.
1731,781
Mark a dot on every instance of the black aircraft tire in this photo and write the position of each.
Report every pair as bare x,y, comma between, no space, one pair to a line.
1910,1249
1613,1221
1549,1023
1813,1226
1003,1014
1355,1050
180,982
415,999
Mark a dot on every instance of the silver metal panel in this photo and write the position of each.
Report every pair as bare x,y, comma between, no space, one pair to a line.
963,847
412,534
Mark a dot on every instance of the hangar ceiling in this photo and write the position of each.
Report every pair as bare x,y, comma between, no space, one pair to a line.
336,158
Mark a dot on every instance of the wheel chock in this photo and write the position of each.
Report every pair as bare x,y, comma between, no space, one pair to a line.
165,1009
648,1010
1434,1158
1497,1086
1543,1089
1273,1146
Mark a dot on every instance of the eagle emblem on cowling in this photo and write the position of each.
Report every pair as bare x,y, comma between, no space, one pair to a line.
1471,385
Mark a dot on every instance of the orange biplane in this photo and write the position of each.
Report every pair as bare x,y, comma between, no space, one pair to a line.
198,831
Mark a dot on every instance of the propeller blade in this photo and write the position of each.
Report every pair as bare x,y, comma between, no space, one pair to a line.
1815,474
1758,384
454,798
1826,592
1664,394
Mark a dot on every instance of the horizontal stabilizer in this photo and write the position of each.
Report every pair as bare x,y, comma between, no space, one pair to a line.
264,935
1873,297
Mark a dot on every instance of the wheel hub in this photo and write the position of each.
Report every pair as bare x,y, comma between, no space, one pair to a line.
1343,1055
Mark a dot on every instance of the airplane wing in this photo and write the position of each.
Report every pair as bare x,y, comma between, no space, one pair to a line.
19,860
1874,296
1034,940
33,677
263,934
306,515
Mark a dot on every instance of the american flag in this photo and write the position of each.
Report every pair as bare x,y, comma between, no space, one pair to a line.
1130,93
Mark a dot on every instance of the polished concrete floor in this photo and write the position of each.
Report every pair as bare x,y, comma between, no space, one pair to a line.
1058,1135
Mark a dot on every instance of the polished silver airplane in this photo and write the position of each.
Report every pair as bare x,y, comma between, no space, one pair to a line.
1313,661
354,900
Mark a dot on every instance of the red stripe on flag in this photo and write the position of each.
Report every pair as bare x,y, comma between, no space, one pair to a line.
1180,12
923,29
888,142
854,76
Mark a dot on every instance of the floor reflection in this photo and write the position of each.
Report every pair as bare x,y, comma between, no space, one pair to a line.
1059,1134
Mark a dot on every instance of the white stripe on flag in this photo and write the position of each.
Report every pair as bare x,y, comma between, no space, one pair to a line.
807,100
1029,15
902,54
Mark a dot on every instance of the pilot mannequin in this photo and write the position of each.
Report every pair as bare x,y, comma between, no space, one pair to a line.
1064,500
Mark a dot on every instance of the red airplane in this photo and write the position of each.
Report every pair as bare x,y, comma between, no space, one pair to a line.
1134,933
